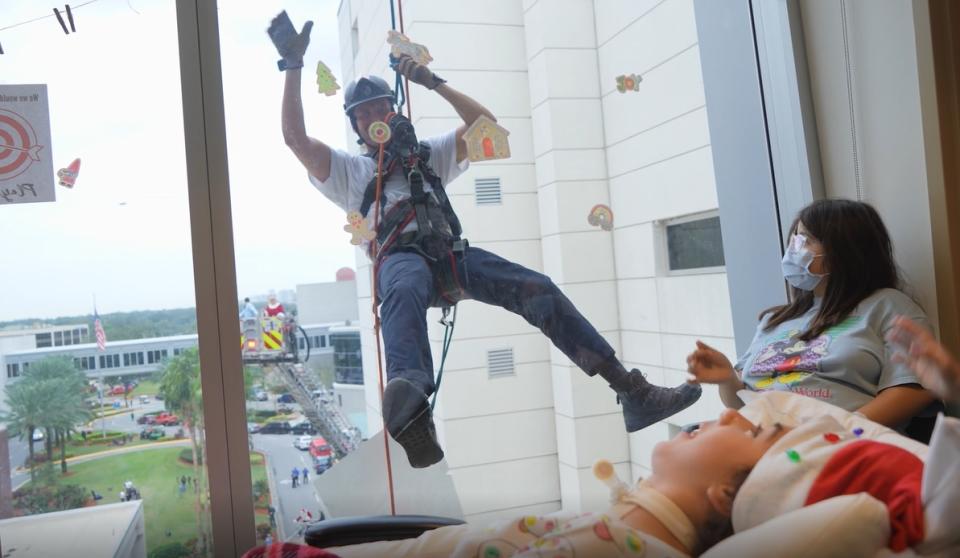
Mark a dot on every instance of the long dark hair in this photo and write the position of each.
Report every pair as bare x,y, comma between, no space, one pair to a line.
858,255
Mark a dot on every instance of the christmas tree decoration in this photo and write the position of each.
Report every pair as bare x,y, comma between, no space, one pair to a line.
326,81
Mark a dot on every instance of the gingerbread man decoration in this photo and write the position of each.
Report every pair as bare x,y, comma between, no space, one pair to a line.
357,226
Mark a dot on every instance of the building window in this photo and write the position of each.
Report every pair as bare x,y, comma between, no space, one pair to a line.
44,340
693,244
57,338
13,370
500,363
103,362
487,191
126,359
116,361
323,341
76,337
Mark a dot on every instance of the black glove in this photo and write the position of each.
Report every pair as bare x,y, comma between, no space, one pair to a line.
290,45
417,73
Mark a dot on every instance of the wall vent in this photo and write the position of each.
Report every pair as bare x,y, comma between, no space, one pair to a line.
500,363
488,191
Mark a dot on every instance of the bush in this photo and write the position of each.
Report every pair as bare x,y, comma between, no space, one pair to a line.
45,498
263,529
260,489
171,550
186,455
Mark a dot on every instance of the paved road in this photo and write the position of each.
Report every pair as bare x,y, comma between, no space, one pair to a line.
282,457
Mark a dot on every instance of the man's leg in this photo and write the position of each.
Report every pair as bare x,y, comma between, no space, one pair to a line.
494,280
405,286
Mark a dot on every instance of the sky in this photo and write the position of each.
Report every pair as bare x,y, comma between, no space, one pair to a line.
121,236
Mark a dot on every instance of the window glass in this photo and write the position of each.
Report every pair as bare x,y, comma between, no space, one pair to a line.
97,97
695,244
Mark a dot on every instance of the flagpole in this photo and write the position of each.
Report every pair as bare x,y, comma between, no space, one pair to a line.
103,416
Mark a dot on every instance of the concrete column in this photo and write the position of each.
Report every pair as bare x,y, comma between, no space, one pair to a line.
571,172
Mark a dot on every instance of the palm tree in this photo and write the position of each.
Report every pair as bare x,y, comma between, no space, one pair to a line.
25,403
64,406
180,387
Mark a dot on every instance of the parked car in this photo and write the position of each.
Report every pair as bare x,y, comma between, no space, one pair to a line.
148,418
302,442
304,427
260,395
285,398
37,435
144,399
278,427
253,427
118,390
167,419
152,433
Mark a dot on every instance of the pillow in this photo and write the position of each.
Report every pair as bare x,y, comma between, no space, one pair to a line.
853,525
775,490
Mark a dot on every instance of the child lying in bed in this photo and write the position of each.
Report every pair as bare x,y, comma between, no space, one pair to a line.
686,505
681,509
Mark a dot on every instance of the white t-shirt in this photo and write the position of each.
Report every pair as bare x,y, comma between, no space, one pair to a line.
350,174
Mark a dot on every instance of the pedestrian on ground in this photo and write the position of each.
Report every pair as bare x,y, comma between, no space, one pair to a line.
294,476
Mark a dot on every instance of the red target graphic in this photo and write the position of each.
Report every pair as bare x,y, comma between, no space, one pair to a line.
18,145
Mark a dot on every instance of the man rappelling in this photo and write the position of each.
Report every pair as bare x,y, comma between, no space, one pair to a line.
419,257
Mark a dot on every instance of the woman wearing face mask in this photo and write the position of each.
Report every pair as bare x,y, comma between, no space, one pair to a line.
829,340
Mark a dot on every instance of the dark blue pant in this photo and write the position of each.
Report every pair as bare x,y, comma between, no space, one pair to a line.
406,289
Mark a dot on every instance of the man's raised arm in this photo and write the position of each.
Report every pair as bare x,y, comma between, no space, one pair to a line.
313,153
467,108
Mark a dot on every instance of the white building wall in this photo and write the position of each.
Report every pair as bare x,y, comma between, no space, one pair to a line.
660,167
547,69
323,303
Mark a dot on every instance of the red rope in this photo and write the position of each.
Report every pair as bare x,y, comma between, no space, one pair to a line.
376,328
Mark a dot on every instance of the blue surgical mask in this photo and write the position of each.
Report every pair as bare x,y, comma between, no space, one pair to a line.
796,265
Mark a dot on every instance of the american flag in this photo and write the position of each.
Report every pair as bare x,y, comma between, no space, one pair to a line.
98,330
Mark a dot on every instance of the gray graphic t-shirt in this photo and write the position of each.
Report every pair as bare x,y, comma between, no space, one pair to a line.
847,365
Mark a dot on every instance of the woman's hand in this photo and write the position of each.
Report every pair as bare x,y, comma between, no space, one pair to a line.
709,366
916,347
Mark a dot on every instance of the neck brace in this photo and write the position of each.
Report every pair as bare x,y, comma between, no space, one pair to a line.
662,508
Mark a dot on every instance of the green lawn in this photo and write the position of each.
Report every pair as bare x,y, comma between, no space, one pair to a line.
146,387
156,474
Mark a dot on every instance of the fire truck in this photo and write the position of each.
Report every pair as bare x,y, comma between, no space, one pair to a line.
270,339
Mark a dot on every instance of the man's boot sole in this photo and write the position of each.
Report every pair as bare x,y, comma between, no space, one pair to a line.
406,412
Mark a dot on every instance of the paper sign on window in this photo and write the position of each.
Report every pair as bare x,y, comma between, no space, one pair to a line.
26,165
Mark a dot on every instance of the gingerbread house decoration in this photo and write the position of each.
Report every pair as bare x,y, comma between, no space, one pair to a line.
486,140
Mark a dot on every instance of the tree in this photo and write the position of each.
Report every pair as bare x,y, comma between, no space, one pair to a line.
180,387
64,406
25,401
